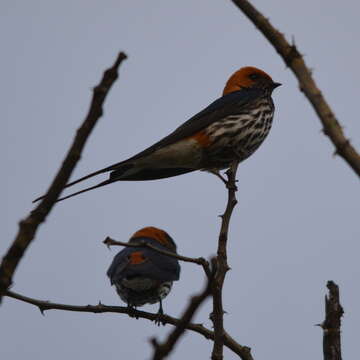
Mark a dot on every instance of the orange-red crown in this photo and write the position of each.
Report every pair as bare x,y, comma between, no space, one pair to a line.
247,77
157,234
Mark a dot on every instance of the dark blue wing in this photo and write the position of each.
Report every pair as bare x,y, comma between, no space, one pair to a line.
156,266
226,105
118,265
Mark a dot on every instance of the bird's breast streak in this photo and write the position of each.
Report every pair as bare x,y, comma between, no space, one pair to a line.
238,135
164,289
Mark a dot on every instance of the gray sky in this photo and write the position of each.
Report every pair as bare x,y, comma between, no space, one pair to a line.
297,222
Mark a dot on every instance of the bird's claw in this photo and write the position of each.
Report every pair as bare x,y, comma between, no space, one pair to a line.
132,311
158,319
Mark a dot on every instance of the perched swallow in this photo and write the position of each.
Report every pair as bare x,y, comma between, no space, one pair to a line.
142,275
229,129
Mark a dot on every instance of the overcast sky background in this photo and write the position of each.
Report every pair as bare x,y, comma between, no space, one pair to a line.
297,222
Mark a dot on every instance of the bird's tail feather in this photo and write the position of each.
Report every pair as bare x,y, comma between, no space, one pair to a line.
109,168
106,182
123,172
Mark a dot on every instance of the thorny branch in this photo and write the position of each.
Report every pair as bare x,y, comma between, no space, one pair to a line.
332,324
200,261
43,306
29,225
214,287
222,266
294,60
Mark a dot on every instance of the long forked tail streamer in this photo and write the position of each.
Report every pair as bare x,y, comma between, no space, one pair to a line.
112,167
109,168
106,182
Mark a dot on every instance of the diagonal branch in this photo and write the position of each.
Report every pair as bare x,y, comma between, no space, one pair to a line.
293,59
29,225
200,261
242,351
161,351
332,324
222,266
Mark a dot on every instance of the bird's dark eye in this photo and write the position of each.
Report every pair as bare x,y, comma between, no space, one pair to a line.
254,76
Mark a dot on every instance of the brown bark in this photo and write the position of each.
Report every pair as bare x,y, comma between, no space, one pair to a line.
332,323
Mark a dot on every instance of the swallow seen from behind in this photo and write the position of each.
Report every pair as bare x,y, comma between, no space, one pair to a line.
142,275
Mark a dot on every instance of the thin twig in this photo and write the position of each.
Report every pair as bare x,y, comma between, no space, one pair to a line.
43,306
222,266
332,324
29,226
293,59
162,350
199,261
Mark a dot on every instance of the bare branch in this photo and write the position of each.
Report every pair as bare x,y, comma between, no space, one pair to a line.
200,261
229,342
164,349
293,59
222,266
244,352
332,323
29,226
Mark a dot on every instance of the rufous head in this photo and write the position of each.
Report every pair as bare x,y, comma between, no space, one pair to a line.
250,77
160,236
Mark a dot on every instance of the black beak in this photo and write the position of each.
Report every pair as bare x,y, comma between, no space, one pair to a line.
275,85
